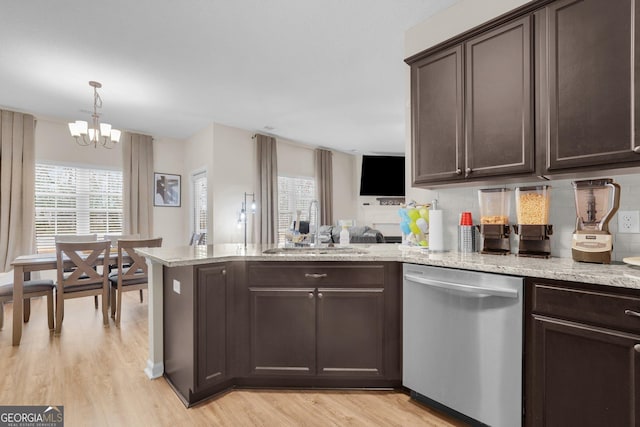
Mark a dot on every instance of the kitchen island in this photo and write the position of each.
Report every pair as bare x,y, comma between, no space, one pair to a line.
261,285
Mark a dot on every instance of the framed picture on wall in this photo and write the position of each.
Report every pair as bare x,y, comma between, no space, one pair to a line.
166,189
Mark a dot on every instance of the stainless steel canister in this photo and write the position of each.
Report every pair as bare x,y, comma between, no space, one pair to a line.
466,238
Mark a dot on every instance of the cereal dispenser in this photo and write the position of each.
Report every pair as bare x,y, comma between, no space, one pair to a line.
533,228
495,204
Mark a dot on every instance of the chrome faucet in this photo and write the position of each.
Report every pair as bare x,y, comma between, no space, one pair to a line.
316,236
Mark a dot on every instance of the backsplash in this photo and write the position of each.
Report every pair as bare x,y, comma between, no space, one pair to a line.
562,214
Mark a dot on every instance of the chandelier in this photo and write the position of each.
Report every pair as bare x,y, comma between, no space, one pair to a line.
96,132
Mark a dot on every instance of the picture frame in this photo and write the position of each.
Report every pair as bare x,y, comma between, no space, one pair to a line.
167,190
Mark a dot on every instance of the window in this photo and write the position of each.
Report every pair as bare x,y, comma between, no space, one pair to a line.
199,209
73,200
294,194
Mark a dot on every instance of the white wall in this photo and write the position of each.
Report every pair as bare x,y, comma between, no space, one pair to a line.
460,17
295,159
345,186
446,24
168,157
55,144
229,156
198,156
233,175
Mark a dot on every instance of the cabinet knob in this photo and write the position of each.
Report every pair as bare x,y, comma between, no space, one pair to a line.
459,171
224,271
320,295
310,295
637,348
632,313
636,149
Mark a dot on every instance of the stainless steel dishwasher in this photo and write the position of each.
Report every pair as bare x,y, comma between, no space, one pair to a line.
462,342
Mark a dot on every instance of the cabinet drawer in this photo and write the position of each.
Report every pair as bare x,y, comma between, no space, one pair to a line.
588,306
315,275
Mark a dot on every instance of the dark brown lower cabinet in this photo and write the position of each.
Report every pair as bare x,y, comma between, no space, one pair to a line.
197,321
212,299
324,331
282,331
583,355
321,324
281,324
350,331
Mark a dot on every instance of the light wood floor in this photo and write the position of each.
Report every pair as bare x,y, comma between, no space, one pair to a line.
97,374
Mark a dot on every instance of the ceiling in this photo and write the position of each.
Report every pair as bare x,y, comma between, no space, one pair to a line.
325,73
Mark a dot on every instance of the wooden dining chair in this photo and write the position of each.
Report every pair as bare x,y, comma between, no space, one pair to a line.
86,279
195,239
32,288
113,238
131,277
77,238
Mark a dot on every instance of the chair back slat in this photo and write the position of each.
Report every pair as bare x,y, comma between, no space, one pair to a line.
75,238
115,237
132,265
195,239
82,257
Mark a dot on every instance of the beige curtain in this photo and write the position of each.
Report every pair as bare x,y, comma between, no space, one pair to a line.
267,190
324,184
137,183
17,186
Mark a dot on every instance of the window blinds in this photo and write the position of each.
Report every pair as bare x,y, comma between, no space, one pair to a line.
199,208
72,200
294,193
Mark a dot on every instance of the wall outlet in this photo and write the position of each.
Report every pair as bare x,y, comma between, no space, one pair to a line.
176,286
628,221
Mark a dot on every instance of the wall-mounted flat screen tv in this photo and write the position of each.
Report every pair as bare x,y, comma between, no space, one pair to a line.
382,176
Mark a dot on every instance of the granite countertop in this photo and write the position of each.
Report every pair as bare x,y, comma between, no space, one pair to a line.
619,275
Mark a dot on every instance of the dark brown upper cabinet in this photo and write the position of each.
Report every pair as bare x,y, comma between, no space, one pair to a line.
550,88
472,108
588,114
437,117
498,100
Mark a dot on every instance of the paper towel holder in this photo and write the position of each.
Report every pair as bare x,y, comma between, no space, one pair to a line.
440,249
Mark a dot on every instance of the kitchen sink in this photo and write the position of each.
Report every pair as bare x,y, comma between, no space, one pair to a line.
300,250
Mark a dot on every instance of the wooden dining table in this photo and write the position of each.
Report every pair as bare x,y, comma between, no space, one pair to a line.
22,268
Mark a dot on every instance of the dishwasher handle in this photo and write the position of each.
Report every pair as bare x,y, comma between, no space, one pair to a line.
470,290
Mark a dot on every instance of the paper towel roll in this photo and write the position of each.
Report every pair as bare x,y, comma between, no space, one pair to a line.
436,238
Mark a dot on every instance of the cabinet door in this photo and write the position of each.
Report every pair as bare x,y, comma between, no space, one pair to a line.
499,123
350,332
437,117
591,83
583,376
212,299
282,323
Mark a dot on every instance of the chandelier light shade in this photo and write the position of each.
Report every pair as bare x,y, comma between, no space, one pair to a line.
94,133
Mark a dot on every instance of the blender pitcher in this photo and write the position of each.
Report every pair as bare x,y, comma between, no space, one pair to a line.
597,200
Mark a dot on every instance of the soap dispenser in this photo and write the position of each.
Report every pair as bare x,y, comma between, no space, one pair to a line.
344,236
